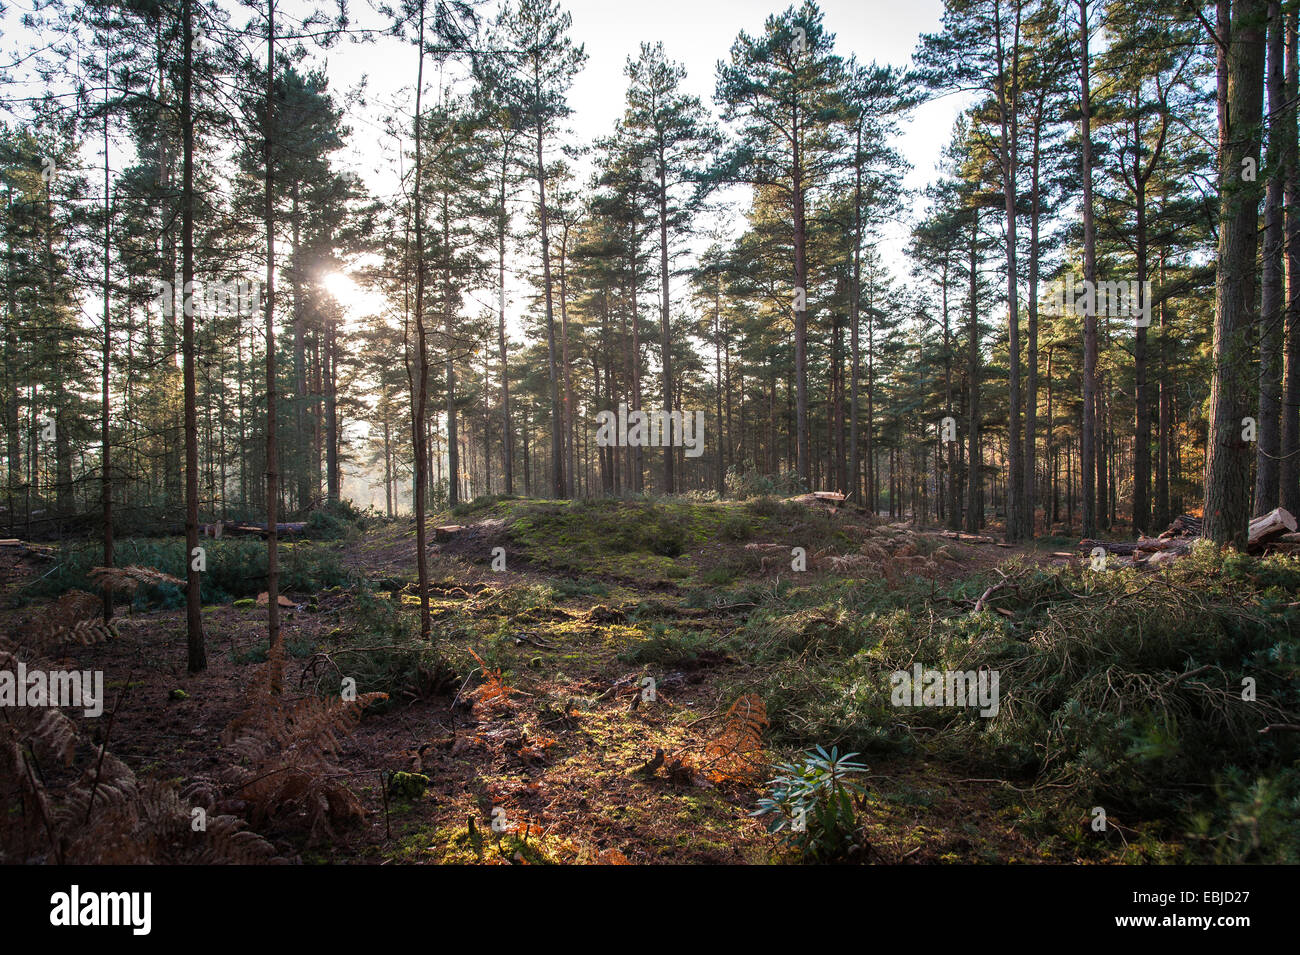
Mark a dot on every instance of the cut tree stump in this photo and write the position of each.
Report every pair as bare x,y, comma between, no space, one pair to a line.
447,531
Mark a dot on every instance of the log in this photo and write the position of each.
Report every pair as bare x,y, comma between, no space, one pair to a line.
291,527
1184,525
1145,545
1110,547
1268,526
967,538
43,551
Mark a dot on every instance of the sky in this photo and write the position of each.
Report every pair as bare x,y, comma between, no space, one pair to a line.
696,33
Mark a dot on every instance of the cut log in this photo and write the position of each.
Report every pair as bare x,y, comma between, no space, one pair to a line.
288,529
1184,525
967,538
31,550
1268,526
1145,545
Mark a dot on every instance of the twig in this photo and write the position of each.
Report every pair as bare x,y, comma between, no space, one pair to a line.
103,746
1282,728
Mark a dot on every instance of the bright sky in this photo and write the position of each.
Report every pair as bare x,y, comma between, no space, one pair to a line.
697,33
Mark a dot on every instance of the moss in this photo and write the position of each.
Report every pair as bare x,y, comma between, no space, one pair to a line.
408,785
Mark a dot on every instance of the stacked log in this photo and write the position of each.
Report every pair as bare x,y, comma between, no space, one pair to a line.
1268,532
1184,525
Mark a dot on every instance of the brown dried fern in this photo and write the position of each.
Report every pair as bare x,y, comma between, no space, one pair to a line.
128,579
492,695
286,771
735,753
76,617
100,813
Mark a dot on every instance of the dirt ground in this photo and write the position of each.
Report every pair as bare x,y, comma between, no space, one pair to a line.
571,761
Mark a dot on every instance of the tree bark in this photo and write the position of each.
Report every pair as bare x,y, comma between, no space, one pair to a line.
1227,489
1271,317
1088,438
193,608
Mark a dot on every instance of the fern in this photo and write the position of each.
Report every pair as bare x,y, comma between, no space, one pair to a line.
76,617
735,754
128,579
100,813
492,695
286,771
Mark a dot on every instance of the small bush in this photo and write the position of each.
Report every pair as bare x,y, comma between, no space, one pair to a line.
743,485
735,527
811,806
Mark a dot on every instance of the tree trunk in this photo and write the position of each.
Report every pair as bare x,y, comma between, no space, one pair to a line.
1271,318
1227,491
974,508
418,412
558,485
106,453
193,608
272,451
1088,438
1289,472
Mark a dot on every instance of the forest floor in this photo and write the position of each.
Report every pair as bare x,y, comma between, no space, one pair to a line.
529,709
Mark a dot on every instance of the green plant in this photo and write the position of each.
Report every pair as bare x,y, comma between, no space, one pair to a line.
1253,820
811,803
735,527
747,484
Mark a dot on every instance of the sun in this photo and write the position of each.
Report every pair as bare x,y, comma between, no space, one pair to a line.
342,287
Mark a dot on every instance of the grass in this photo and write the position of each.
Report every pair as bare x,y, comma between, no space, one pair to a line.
1120,689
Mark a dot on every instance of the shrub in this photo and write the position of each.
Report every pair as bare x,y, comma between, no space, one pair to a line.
811,805
746,484
734,527
236,567
1123,687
